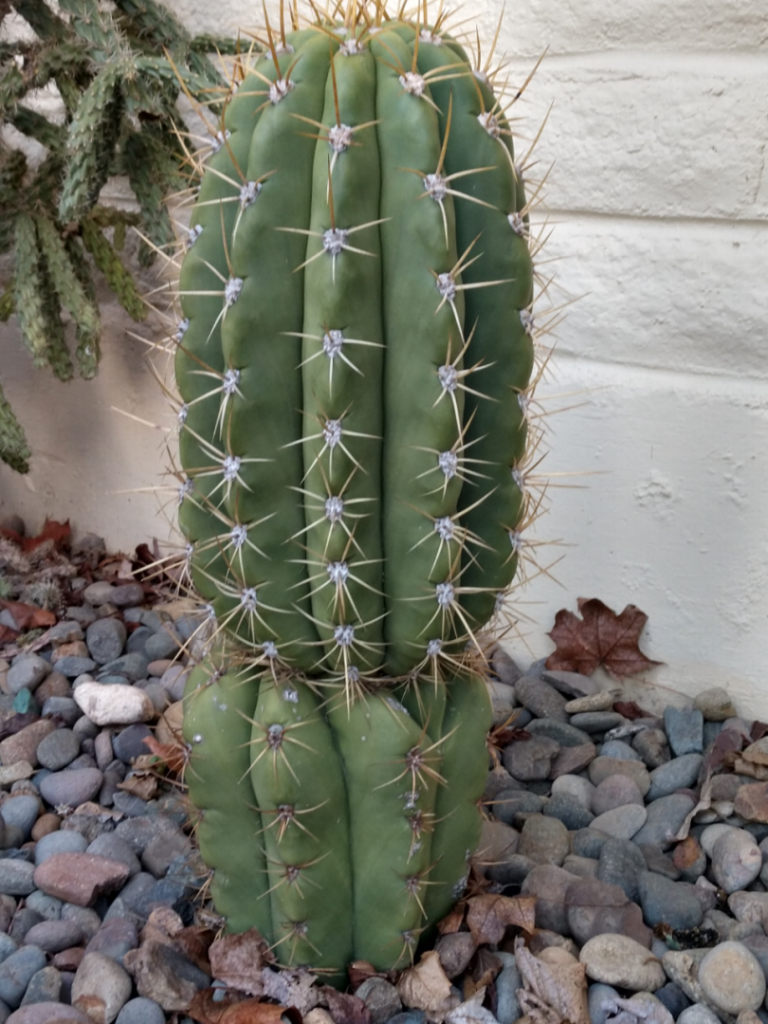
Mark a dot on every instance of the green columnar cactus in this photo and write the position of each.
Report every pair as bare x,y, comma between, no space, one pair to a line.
354,362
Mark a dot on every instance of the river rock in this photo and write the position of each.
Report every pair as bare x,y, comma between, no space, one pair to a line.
621,961
101,987
114,703
80,877
731,978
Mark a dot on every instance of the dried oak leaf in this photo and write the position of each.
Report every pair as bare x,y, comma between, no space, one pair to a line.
233,1009
426,987
140,784
28,616
237,960
453,920
551,996
628,708
344,1007
171,755
59,533
599,637
489,916
471,1011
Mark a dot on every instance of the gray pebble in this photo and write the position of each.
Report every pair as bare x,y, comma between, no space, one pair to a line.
621,822
48,907
544,840
597,721
568,809
129,744
106,639
16,972
698,1013
141,1011
16,878
513,871
132,666
21,811
685,730
619,750
736,860
508,981
7,946
44,987
673,997
116,848
140,831
58,749
53,936
165,643
127,595
561,732
588,842
64,707
63,841
137,641
665,816
26,673
673,903
527,760
679,773
576,786
115,937
71,666
601,1000
621,863
508,803
86,917
381,999
71,787
615,791
540,698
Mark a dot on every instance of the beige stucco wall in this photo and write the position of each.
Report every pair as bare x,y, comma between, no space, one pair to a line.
659,201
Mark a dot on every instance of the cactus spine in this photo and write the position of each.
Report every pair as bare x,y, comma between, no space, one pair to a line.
353,359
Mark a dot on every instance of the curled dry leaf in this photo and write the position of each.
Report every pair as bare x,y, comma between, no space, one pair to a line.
426,987
452,921
141,784
360,970
641,1008
291,988
237,960
172,756
489,916
599,637
471,1011
344,1007
551,996
234,1009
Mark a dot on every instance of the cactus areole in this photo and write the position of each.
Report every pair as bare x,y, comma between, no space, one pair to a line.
353,360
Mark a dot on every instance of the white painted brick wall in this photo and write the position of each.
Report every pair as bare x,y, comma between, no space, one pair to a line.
659,200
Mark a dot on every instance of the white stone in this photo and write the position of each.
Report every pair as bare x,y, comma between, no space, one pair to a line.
731,977
114,703
618,960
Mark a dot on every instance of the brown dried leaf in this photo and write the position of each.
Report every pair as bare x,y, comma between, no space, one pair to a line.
471,1011
173,756
551,997
141,784
453,920
489,916
629,709
360,970
727,742
237,960
28,616
600,637
344,1007
758,730
294,988
234,1009
426,987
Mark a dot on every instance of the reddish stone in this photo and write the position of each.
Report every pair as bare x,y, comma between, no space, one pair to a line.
45,824
80,878
74,649
751,802
54,685
69,959
23,745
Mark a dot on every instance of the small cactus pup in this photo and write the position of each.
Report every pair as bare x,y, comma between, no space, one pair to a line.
354,359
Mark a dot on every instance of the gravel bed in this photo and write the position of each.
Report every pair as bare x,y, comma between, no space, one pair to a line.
642,838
